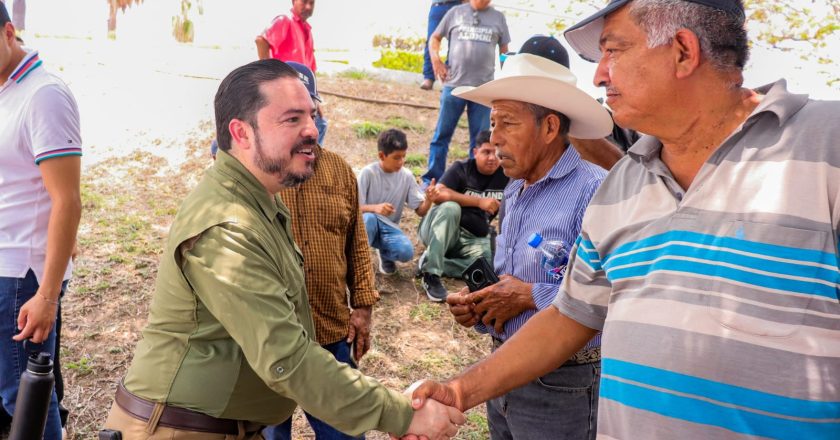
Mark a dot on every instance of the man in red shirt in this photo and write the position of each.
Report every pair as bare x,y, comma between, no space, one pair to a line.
289,37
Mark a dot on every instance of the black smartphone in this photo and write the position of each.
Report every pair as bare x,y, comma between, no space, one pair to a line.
110,434
479,275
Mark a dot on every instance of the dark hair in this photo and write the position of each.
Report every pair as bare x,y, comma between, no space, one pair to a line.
239,95
482,138
541,112
392,140
4,14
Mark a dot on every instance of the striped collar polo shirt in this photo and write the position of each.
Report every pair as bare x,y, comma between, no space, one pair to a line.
39,120
719,304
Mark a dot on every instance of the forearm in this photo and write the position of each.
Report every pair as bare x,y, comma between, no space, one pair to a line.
61,237
518,362
368,208
434,48
424,207
262,48
600,152
464,200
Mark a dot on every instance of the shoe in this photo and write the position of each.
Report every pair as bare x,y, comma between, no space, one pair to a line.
386,267
427,84
434,288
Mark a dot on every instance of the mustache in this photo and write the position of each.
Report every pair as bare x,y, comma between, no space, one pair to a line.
304,144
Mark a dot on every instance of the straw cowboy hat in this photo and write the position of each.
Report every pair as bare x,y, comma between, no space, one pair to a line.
536,80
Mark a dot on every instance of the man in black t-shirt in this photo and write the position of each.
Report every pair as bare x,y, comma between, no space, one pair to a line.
456,230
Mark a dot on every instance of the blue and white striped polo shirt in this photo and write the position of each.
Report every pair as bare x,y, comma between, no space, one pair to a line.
719,304
553,206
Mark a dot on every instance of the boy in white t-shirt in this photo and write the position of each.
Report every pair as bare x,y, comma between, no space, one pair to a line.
384,188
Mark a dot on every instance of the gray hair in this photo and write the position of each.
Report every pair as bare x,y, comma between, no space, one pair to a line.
541,112
723,37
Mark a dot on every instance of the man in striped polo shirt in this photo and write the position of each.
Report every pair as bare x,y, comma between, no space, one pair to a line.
40,209
709,257
535,107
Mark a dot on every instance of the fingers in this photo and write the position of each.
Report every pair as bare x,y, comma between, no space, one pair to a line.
351,334
455,416
362,346
457,299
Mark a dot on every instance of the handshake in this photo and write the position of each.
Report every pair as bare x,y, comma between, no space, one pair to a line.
437,412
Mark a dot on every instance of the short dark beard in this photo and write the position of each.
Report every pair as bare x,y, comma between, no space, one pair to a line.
281,165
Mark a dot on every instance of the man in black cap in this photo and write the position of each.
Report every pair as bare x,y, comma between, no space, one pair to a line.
709,255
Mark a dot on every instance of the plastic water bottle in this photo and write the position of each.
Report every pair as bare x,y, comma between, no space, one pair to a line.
33,399
554,255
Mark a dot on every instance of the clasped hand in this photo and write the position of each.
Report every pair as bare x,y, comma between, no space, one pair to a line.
432,419
493,305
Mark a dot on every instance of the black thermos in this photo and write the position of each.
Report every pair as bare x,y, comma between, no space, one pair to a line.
33,399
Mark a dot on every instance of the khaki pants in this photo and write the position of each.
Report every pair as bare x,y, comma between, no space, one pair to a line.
136,429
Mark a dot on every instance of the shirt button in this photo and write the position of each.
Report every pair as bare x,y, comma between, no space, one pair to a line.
279,370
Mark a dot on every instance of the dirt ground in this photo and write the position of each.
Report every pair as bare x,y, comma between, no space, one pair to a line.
129,203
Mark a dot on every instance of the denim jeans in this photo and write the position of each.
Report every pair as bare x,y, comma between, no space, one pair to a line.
14,293
322,125
392,243
436,13
561,405
283,431
451,108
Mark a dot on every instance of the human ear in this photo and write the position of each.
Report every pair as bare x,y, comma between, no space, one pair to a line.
687,52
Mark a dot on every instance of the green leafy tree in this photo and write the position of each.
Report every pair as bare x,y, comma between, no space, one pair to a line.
183,29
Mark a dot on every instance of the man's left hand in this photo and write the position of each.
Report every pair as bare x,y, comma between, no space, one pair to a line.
360,331
502,301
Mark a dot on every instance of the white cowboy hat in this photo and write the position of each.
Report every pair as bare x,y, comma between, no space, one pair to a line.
537,80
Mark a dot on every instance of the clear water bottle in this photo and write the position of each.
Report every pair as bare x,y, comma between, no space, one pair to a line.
554,255
33,399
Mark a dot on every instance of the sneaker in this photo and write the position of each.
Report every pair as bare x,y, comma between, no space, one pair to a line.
386,267
427,84
434,288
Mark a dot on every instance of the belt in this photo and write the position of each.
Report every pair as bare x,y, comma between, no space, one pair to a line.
582,357
180,418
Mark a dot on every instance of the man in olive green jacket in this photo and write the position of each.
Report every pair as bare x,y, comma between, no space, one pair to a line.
230,344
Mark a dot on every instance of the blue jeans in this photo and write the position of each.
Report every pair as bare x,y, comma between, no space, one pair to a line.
283,431
436,13
561,405
14,293
392,243
321,124
451,108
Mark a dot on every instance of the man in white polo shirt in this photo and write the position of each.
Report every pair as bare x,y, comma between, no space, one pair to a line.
40,207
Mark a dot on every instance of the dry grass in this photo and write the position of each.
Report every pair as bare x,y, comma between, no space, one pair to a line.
129,204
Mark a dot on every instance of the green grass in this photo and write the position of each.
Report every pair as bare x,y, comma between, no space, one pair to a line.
405,124
415,160
83,366
367,129
400,60
354,74
458,153
425,311
476,427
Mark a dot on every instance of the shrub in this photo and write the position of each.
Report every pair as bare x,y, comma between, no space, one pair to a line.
400,60
366,129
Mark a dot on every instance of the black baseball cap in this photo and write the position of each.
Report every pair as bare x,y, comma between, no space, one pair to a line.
4,14
585,36
547,47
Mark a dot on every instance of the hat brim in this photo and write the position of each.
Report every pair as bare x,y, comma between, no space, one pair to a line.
589,119
585,36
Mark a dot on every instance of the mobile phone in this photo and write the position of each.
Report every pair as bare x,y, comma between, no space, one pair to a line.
479,275
110,434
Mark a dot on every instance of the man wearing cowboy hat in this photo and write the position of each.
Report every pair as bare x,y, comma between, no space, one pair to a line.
709,255
535,107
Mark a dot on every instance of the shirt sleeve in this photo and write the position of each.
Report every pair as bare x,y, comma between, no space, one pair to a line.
276,32
364,184
585,291
234,278
415,197
360,278
53,124
445,25
504,37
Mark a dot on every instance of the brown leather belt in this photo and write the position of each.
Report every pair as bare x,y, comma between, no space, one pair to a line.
180,418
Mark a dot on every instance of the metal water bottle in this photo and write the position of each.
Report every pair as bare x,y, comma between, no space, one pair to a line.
33,399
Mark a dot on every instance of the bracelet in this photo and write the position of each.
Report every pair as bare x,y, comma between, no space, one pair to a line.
49,301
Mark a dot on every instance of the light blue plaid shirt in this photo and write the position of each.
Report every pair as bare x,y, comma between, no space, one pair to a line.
554,207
